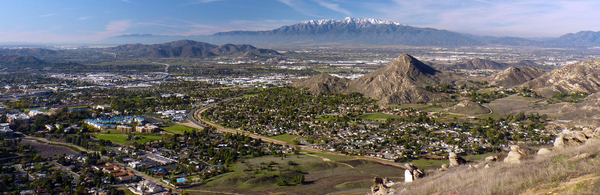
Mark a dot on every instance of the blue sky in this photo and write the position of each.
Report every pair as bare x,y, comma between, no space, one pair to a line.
86,21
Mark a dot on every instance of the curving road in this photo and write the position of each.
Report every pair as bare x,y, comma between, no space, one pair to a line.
198,117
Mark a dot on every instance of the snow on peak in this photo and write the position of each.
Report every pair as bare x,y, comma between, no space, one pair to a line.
350,20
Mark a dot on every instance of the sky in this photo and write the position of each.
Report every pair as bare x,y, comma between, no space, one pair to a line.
88,21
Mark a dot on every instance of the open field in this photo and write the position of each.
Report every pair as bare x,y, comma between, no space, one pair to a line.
178,129
330,156
47,150
285,137
259,176
325,117
122,138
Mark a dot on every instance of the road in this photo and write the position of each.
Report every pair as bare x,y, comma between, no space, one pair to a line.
65,169
197,117
57,143
137,173
146,177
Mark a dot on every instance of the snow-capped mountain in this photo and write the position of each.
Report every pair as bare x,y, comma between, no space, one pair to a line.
349,20
349,31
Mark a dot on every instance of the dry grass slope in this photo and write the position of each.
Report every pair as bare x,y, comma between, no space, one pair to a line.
553,173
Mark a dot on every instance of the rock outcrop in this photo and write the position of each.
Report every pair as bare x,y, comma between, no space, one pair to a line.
515,155
576,138
544,151
379,187
412,173
455,160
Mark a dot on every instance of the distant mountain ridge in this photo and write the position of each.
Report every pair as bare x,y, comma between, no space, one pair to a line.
363,31
190,49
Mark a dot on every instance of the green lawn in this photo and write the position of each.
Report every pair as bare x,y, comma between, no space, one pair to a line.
285,137
178,129
122,138
378,116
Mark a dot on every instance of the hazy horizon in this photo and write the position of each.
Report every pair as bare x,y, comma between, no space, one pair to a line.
70,21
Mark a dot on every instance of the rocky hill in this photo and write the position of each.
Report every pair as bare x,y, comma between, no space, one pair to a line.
402,81
566,169
513,76
190,49
578,77
323,83
468,107
474,64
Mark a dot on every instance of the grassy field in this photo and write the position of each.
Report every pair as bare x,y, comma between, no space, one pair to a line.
260,175
122,138
555,173
178,129
378,116
331,156
285,137
429,164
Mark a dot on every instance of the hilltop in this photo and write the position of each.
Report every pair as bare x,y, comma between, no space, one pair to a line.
402,81
579,77
513,76
572,170
20,61
190,49
323,83
469,108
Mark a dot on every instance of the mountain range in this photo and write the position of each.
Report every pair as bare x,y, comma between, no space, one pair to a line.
362,31
190,49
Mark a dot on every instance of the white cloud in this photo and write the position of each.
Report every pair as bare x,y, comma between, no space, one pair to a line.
113,28
299,6
127,1
531,18
158,24
334,7
84,18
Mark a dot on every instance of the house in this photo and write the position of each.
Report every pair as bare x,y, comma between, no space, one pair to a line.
120,173
6,131
148,128
134,164
125,128
18,117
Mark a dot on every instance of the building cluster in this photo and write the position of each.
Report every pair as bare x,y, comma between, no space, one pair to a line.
122,123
